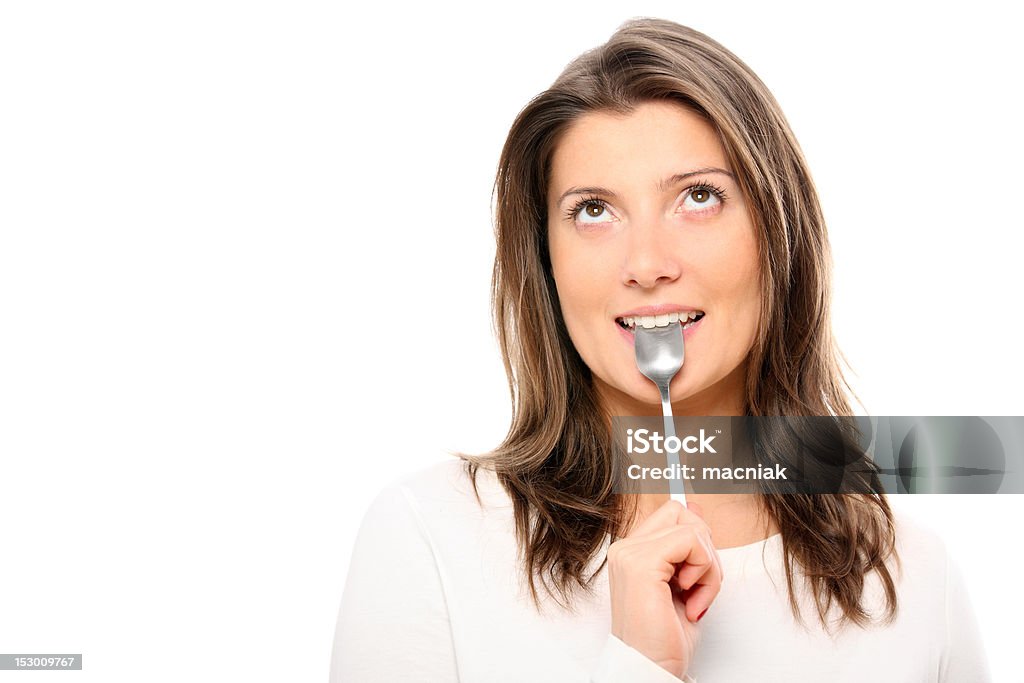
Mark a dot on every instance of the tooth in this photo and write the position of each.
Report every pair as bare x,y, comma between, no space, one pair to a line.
629,321
661,320
692,314
673,317
647,322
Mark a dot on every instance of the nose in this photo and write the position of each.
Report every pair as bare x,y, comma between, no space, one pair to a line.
652,257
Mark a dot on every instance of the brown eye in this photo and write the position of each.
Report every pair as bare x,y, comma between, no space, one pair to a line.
591,212
701,198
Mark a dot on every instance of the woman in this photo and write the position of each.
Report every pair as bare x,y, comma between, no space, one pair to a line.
656,175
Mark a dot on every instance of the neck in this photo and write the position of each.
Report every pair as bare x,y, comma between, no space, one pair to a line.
734,519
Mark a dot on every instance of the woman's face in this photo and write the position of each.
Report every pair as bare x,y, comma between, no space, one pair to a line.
645,217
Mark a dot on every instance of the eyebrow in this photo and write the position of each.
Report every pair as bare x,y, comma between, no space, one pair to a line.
663,186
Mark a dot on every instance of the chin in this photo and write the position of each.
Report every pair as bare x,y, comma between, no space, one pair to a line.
640,390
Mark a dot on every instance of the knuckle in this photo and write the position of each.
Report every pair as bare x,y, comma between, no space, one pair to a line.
698,521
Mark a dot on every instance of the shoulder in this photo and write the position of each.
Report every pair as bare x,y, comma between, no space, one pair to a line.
917,539
441,498
926,567
935,598
447,486
433,515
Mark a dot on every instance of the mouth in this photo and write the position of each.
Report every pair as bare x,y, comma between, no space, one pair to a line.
687,318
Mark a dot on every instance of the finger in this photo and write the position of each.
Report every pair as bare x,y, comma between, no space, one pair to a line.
685,543
699,572
662,544
699,599
696,527
696,509
718,564
667,550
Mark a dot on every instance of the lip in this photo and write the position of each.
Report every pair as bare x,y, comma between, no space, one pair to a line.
630,336
659,309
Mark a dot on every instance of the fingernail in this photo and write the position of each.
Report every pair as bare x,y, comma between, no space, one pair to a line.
702,614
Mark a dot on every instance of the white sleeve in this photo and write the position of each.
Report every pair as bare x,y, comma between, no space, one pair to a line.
620,662
963,657
393,623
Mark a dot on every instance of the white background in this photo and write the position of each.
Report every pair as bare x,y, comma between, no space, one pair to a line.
244,272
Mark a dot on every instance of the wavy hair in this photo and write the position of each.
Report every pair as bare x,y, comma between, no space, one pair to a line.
557,461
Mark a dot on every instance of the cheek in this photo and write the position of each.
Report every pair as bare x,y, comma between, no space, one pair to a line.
737,280
581,283
745,290
576,289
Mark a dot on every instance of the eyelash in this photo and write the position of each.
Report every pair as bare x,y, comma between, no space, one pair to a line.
704,185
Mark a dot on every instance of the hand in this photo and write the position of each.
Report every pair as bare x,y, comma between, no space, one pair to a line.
662,577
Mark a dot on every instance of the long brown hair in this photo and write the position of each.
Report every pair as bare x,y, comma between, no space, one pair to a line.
557,462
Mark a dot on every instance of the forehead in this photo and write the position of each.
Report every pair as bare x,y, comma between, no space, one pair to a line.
655,140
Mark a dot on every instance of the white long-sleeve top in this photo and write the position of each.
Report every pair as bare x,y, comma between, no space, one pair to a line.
434,594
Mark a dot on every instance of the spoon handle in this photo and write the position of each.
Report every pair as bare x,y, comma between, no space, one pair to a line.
675,484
